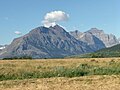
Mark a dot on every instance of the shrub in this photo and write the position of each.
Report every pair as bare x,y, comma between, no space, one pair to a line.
13,58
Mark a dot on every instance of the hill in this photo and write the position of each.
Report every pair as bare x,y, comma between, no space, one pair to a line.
106,52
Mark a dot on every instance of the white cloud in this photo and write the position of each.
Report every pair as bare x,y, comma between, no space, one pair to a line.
51,18
18,32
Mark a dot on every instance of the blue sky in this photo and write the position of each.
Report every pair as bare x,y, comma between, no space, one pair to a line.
24,15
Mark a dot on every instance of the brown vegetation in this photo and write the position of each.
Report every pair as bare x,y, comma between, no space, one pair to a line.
90,82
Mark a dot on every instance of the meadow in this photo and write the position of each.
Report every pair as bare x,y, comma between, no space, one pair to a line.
60,74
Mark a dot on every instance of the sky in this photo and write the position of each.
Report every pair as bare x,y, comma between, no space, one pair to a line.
18,17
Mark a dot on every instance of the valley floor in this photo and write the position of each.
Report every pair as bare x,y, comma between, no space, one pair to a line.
60,74
61,83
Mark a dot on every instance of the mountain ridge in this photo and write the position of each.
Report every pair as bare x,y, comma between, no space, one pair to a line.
45,42
108,40
54,42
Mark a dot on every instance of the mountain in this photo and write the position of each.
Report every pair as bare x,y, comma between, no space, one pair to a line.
96,38
94,42
108,39
45,42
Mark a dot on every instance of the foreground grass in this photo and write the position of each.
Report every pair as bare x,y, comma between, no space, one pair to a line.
102,82
27,69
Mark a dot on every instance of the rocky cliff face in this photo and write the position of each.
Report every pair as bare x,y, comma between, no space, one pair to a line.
96,38
90,39
45,42
108,39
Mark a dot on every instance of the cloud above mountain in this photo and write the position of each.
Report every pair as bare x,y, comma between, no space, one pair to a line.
51,18
17,32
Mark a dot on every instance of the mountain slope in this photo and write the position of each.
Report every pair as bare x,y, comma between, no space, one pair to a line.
106,52
45,42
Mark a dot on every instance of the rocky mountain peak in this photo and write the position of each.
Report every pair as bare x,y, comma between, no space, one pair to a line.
43,42
76,34
95,31
57,28
89,38
107,39
55,41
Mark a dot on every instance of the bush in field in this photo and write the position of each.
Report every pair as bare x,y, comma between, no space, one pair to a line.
13,58
97,55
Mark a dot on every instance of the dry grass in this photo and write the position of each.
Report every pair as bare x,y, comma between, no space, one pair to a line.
94,82
18,64
76,83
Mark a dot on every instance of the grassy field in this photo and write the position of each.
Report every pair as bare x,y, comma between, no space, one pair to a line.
60,74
